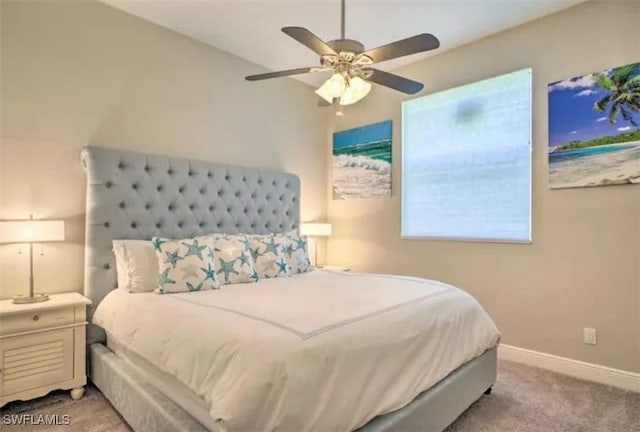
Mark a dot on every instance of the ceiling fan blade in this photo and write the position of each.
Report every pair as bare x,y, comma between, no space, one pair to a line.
280,74
415,44
308,39
395,82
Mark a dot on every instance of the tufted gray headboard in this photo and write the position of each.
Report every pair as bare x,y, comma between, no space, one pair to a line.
138,196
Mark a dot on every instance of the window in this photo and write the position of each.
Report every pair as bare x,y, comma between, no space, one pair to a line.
466,162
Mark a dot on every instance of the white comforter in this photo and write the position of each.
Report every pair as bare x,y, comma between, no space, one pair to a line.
322,351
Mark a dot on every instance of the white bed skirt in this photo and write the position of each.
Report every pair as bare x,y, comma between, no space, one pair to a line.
148,409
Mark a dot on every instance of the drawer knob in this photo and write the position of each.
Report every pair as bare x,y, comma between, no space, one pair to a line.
36,317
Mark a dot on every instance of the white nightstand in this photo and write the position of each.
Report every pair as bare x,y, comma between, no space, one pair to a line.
335,268
42,347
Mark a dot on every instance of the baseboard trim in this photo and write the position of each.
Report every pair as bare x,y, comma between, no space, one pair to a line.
587,371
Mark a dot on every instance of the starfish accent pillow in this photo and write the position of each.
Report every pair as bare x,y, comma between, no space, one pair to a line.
185,265
269,255
233,261
296,248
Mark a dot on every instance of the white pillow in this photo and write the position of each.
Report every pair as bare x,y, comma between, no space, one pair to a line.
136,265
269,254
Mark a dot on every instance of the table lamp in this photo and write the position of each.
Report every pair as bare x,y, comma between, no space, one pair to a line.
315,229
31,231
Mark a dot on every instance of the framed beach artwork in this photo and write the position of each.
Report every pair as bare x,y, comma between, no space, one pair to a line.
362,162
594,129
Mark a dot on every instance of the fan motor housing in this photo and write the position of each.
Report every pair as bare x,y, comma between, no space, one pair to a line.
348,45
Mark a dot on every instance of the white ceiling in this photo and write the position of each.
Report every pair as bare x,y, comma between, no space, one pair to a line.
250,29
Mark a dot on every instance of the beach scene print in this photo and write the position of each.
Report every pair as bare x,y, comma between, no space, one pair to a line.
594,129
362,162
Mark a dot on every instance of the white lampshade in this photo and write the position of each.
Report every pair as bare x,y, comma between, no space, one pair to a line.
334,87
315,229
355,91
31,231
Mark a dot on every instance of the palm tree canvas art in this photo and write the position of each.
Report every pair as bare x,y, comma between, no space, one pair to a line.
594,129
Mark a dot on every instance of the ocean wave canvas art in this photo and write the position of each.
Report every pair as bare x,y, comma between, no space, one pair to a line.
362,162
594,129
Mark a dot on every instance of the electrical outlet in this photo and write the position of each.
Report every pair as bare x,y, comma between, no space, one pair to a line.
590,336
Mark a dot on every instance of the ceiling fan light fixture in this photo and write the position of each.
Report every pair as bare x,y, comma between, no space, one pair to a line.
324,95
332,88
357,90
351,64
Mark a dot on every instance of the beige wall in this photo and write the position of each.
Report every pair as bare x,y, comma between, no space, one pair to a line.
582,268
78,73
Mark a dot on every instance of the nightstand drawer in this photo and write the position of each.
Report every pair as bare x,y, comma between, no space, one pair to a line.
21,322
28,362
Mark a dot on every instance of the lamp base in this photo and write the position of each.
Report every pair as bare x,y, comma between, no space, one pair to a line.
37,298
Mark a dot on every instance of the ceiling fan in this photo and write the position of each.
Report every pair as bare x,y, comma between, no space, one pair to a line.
351,64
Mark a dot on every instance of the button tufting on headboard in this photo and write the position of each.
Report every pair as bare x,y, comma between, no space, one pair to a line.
138,196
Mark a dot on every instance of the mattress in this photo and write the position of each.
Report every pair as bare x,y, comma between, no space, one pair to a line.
319,351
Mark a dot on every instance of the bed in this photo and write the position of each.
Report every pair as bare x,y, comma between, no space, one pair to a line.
385,353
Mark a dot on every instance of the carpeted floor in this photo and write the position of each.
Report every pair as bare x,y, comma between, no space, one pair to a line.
524,399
